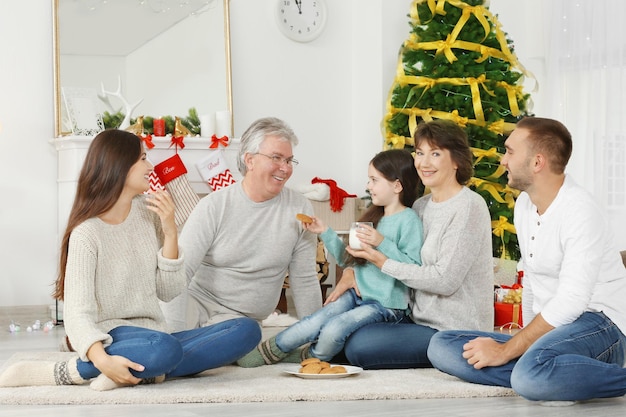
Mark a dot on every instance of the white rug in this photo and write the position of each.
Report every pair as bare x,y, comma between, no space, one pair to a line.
232,384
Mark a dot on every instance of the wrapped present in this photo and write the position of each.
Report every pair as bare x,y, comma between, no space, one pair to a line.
508,315
508,304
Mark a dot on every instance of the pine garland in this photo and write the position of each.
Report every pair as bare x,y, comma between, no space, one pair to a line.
457,64
191,122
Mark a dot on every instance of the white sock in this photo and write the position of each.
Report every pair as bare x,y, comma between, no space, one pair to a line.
104,383
31,373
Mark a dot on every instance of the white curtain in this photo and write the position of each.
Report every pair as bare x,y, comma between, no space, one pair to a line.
585,88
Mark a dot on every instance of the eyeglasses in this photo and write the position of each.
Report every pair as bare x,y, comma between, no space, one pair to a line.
279,160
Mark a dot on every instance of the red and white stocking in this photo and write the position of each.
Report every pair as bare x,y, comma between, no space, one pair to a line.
173,174
214,170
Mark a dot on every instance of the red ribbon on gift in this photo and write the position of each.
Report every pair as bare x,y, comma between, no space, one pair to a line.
177,141
148,141
216,142
511,287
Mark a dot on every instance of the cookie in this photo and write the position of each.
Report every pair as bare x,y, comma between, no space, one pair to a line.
309,361
334,370
304,218
312,368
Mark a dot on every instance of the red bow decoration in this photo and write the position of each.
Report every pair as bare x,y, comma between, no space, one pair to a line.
148,141
337,195
177,141
216,142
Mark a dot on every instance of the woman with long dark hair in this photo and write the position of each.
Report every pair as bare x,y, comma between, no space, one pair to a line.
119,257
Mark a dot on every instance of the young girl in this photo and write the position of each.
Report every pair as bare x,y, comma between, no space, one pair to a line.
397,232
119,256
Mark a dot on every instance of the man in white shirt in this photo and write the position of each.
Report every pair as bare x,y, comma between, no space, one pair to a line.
573,346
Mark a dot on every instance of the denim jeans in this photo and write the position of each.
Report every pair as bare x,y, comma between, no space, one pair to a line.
577,361
399,345
182,353
329,327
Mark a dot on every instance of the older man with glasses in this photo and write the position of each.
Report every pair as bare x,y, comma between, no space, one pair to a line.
240,242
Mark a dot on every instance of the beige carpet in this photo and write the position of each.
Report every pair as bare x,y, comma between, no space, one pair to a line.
267,384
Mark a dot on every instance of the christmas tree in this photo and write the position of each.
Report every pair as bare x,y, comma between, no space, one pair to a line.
458,64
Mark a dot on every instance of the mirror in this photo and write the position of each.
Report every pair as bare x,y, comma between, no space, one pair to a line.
166,56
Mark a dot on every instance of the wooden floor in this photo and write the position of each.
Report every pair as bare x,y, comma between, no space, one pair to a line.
484,407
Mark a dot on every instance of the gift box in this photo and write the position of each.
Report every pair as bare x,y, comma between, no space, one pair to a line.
507,314
508,304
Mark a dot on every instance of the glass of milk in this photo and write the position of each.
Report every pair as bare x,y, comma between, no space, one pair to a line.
354,241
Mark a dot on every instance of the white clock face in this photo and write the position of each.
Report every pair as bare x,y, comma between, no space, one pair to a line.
301,20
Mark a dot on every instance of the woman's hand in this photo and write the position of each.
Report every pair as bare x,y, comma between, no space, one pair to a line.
318,226
162,204
116,368
346,282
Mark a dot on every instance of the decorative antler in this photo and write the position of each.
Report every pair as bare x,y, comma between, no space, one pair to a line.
128,108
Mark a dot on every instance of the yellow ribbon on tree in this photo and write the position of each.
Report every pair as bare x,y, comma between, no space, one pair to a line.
512,92
493,188
496,174
498,228
479,154
500,127
502,225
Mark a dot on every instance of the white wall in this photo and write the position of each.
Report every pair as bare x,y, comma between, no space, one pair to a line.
28,227
332,91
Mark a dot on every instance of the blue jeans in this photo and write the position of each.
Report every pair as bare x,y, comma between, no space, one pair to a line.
578,361
399,345
182,353
330,326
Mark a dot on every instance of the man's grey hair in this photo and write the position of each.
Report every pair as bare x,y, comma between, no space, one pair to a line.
254,136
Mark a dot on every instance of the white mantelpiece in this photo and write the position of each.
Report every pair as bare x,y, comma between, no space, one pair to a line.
71,152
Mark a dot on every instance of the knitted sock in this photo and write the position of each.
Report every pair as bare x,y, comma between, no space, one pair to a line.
298,355
65,345
104,383
30,373
266,353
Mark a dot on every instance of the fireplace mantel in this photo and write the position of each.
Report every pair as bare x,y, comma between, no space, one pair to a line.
71,152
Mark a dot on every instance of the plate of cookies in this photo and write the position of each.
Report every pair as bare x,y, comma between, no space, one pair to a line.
314,368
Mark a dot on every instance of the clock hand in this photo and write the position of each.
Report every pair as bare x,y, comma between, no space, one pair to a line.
299,4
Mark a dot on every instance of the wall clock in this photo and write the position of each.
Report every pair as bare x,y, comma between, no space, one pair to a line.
301,20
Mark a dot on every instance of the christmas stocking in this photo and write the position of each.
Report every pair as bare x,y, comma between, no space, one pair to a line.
214,171
155,183
172,173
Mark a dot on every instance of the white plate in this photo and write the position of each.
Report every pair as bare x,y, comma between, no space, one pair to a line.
351,370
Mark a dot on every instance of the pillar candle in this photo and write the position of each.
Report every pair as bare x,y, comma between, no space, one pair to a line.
222,123
158,127
207,125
